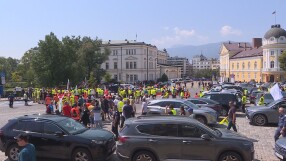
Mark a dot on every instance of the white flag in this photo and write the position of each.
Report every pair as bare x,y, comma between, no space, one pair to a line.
68,84
276,92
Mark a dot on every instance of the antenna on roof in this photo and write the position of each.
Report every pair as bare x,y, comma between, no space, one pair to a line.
136,37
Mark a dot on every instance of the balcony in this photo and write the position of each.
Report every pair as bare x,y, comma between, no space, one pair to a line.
272,70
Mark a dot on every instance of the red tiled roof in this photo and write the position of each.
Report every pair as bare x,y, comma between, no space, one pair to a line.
249,53
237,46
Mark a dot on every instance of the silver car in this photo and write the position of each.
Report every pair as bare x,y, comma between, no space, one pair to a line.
205,115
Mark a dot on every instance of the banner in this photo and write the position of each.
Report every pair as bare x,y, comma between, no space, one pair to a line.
276,92
2,75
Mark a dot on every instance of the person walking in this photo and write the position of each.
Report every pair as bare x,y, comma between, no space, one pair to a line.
25,98
115,121
97,116
127,112
28,152
243,99
11,100
231,117
144,107
281,129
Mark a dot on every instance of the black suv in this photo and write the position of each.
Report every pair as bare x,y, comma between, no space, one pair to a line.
57,137
224,98
156,138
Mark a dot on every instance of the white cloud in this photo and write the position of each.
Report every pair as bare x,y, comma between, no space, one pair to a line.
166,28
178,36
186,33
228,30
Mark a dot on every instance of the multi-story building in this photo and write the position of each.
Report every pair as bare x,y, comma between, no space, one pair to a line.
201,62
182,64
241,61
274,43
131,61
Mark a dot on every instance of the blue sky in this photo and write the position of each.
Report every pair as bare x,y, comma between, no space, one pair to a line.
164,23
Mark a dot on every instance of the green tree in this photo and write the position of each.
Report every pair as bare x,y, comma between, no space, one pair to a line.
107,77
92,57
282,61
16,77
164,78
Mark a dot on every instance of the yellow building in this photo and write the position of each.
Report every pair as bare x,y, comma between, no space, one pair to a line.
241,61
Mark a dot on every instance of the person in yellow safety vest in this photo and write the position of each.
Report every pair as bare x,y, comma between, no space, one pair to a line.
173,92
53,92
201,94
137,95
243,99
166,95
245,92
170,110
129,92
72,100
120,105
149,92
153,93
261,101
38,95
182,94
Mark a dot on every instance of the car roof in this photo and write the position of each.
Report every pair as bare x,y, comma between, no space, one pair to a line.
47,117
160,119
162,100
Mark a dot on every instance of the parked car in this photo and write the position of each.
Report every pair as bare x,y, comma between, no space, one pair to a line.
204,102
203,114
262,115
224,99
254,95
157,138
57,137
280,148
267,98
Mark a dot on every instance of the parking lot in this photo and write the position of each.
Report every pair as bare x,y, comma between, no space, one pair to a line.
264,135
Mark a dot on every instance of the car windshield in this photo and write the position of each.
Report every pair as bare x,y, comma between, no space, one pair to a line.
268,96
72,126
272,104
193,106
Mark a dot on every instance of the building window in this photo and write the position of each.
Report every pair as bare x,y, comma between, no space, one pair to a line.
127,77
126,52
237,75
272,64
248,75
115,65
134,51
264,65
271,53
131,78
135,77
242,75
248,65
237,66
255,65
127,65
135,65
254,75
115,76
243,65
145,65
106,65
232,65
131,65
150,65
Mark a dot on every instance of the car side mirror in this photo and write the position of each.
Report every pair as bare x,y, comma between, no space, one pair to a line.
59,134
206,137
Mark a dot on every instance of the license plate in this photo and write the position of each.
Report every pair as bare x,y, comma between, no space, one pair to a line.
279,155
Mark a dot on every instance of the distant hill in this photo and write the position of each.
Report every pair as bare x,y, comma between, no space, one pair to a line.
209,50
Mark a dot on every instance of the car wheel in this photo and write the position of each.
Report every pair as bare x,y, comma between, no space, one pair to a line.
81,154
259,120
230,156
144,156
223,112
13,152
201,119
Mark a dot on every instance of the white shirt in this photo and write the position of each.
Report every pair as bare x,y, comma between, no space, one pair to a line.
144,107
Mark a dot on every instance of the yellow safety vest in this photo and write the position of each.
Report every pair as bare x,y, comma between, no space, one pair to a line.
120,106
